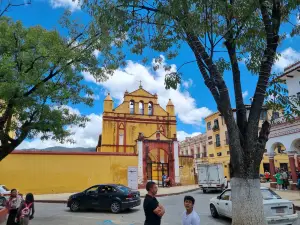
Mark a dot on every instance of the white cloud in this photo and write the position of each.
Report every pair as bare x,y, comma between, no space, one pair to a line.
245,94
69,4
96,53
287,57
187,83
181,135
95,97
84,137
128,79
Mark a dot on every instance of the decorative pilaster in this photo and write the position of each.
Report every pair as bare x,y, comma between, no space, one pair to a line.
292,166
176,162
140,162
272,166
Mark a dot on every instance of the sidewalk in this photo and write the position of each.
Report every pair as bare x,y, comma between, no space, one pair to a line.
62,198
293,196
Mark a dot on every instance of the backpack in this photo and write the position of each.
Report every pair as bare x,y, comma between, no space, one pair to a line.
26,210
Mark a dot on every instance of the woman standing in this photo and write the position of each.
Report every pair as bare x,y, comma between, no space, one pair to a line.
12,206
279,179
26,210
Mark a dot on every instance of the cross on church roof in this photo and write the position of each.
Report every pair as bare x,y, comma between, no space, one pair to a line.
141,84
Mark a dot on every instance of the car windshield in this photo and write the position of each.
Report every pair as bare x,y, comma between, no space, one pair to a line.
269,194
3,188
124,189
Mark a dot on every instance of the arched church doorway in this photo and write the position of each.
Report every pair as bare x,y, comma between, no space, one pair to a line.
157,166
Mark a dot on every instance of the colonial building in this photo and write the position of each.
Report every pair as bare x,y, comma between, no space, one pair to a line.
140,125
285,134
218,141
196,147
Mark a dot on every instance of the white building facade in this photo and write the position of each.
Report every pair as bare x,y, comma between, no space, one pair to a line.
284,132
194,146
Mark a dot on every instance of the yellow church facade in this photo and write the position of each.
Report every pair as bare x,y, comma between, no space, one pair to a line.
139,125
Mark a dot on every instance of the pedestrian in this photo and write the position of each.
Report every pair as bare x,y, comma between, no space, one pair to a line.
190,217
267,175
225,182
12,206
26,210
164,177
153,210
285,180
298,183
279,180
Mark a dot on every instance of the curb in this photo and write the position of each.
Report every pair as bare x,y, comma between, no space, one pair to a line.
162,195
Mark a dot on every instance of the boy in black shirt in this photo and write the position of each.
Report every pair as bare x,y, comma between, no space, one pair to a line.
153,210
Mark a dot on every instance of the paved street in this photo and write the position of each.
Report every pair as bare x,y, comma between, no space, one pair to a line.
58,214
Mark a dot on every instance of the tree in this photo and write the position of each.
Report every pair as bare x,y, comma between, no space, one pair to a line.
220,34
5,5
41,73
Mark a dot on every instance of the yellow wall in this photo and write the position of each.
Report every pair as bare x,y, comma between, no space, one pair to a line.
186,170
47,174
135,123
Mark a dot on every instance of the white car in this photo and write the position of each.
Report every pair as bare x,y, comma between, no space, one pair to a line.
4,191
277,211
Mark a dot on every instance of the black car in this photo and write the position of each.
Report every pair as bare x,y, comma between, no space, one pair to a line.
112,197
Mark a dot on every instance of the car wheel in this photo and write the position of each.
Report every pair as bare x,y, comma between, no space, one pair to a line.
74,207
115,207
204,191
213,211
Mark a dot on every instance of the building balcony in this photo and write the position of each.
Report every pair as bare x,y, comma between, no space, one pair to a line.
217,144
216,128
197,156
283,119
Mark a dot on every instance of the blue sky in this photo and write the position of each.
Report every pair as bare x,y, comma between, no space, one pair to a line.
193,102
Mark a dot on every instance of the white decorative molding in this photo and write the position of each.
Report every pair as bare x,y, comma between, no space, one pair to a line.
140,162
285,132
176,163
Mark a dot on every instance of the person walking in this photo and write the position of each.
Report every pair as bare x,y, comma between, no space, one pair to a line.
285,180
12,206
26,210
153,210
279,180
190,217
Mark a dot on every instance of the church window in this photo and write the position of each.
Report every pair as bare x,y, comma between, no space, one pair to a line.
141,107
121,139
131,107
150,108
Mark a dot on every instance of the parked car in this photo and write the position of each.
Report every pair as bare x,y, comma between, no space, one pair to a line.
111,197
277,210
5,192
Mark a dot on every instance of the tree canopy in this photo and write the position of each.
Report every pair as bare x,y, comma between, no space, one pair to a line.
41,73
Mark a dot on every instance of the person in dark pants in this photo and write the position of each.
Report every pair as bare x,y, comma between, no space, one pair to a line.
12,206
26,210
153,210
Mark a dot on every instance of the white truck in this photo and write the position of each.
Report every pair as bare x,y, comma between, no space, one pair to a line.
211,177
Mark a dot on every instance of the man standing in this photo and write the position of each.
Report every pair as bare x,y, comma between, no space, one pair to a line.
164,177
190,217
153,210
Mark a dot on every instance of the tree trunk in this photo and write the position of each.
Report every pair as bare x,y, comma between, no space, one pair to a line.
247,202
